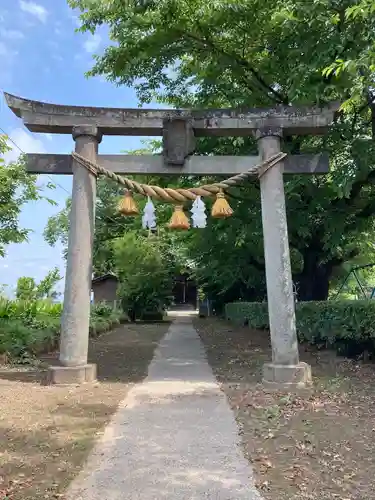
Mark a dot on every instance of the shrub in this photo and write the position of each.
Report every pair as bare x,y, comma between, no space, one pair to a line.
29,328
145,274
13,337
28,308
102,309
348,326
103,318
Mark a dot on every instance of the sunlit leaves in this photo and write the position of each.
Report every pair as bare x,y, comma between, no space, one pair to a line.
256,53
17,188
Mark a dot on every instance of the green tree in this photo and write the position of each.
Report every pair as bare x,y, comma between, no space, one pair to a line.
17,188
28,289
227,53
46,288
356,66
109,223
57,227
145,273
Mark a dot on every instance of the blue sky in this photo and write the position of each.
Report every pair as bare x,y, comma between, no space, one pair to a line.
43,58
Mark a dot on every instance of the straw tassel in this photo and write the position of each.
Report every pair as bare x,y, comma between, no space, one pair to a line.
179,219
127,205
221,208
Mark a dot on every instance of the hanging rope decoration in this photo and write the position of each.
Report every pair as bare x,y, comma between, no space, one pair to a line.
179,220
148,218
198,213
221,208
127,205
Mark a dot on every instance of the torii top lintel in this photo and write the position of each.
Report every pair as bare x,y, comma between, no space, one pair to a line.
59,119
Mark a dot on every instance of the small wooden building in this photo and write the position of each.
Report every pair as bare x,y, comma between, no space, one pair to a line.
105,289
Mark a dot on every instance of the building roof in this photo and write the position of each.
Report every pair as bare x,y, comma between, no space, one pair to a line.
104,277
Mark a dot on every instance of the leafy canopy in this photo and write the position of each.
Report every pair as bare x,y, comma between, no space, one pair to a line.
225,53
263,52
17,188
28,289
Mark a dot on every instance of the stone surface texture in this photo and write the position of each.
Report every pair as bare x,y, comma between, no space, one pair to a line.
47,163
70,375
282,377
276,250
173,437
76,313
58,118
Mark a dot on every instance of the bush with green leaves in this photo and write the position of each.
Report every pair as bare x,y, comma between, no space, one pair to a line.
104,317
31,327
102,309
28,308
144,273
347,326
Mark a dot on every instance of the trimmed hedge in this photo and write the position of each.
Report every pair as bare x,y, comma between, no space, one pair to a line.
347,326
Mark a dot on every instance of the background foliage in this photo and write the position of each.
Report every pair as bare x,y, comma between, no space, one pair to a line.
203,54
145,270
17,188
32,327
347,326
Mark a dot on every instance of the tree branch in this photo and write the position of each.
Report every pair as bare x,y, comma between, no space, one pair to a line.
243,63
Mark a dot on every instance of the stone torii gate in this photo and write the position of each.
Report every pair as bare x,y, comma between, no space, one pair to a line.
178,128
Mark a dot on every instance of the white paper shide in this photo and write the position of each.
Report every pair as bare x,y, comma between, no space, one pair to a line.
149,218
198,211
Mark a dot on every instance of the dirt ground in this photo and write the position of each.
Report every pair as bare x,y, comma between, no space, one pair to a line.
47,432
317,445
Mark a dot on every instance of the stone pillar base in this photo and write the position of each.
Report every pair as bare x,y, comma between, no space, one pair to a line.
286,377
70,375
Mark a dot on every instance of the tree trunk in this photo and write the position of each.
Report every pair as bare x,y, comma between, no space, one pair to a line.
313,282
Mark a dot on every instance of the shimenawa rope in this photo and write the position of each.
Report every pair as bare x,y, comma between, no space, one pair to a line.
179,195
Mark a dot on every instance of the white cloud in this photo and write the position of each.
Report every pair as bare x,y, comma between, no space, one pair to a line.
5,52
7,57
26,142
92,43
12,34
35,10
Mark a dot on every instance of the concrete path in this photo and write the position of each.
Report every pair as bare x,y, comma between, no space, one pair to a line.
174,437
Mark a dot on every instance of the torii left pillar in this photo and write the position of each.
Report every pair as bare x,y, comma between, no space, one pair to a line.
75,321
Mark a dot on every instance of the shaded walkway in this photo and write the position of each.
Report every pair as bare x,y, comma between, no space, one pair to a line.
174,436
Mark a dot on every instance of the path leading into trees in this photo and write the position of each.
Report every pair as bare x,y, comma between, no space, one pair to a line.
173,437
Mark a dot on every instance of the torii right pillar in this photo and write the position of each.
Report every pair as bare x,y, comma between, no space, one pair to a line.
285,372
